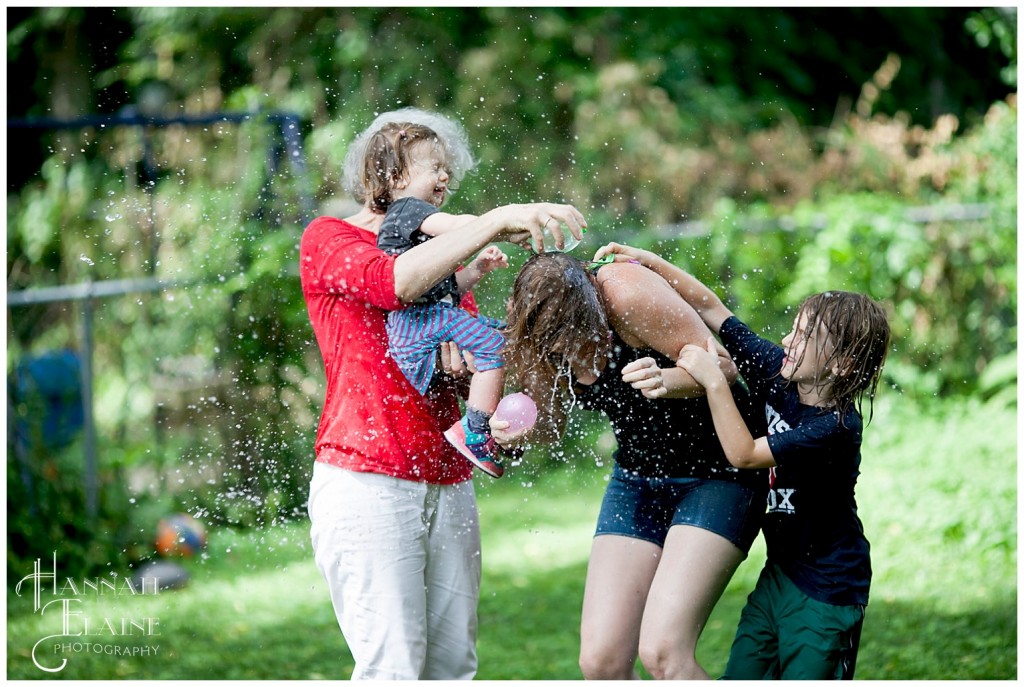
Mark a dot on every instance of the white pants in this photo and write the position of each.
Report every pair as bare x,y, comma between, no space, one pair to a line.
402,563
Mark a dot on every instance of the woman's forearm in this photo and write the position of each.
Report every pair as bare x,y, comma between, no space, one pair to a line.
421,267
679,384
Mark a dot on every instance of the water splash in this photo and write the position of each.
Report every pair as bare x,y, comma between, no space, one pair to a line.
564,370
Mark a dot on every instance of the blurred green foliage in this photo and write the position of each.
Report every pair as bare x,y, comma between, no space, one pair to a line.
771,151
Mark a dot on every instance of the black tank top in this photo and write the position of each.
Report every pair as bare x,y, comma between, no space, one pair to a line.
666,437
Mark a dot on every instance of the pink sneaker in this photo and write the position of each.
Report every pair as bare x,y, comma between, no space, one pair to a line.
483,452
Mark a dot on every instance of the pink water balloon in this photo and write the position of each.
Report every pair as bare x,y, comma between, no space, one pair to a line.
518,410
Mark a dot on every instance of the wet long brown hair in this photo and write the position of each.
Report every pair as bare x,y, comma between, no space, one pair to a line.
858,329
556,314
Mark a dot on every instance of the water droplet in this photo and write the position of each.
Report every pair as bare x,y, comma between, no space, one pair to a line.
84,258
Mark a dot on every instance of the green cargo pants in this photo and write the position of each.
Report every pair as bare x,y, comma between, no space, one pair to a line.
784,634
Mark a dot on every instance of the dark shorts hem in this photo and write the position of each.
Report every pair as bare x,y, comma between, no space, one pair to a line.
647,507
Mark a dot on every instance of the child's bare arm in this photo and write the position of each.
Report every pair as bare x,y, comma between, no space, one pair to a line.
741,448
490,258
442,222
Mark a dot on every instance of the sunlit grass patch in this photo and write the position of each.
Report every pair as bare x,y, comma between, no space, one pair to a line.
937,497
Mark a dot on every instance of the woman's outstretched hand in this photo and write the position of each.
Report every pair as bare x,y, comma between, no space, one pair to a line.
524,222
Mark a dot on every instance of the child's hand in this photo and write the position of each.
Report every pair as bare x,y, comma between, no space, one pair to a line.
490,259
507,439
621,252
645,375
703,363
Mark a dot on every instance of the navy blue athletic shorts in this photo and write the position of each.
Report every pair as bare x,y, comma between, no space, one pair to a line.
646,507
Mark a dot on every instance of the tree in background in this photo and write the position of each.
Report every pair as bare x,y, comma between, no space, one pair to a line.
836,121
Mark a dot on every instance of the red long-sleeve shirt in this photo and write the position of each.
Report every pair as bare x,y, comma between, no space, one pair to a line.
373,419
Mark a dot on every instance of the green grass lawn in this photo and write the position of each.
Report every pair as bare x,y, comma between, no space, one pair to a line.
937,497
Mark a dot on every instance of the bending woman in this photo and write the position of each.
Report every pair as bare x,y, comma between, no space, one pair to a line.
393,514
677,519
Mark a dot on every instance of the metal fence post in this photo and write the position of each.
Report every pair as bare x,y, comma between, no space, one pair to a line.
89,425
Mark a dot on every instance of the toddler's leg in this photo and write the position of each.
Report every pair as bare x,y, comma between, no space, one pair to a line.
472,434
485,391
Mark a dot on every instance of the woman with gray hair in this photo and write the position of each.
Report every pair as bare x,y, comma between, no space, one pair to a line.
393,513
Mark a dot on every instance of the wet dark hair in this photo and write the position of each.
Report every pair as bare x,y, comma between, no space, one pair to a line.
858,329
556,314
